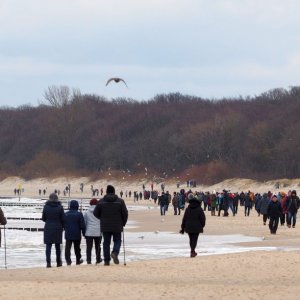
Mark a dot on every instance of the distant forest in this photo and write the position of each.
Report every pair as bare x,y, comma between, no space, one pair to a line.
169,136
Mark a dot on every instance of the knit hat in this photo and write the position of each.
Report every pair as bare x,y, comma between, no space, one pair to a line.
191,196
93,201
110,189
53,197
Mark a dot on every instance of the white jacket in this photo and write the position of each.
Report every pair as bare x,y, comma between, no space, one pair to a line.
92,223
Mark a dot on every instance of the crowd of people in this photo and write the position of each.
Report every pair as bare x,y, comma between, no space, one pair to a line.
106,218
275,207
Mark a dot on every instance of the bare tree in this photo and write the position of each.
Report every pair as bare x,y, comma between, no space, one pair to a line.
59,96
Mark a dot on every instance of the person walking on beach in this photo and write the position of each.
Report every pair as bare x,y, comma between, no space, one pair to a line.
74,227
193,222
248,204
3,221
283,200
213,203
175,203
274,213
92,233
163,202
53,216
263,207
113,215
225,203
292,206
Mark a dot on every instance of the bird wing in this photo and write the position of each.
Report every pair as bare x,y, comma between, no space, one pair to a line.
109,80
123,81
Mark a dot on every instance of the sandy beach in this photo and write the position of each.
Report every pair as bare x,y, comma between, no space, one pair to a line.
31,187
269,274
255,275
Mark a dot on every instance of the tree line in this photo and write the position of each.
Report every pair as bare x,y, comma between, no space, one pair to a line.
170,135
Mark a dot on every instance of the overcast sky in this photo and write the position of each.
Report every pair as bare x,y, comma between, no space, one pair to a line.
207,48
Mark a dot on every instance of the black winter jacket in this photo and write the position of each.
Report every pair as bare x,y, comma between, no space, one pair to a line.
274,209
194,218
292,204
112,212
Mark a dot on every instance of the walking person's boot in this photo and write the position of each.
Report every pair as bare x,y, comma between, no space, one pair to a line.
193,253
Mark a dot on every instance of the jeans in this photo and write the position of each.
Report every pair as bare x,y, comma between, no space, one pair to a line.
163,209
106,244
76,249
89,246
48,253
291,216
232,208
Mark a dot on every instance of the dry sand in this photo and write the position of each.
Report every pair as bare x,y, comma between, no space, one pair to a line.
254,275
249,275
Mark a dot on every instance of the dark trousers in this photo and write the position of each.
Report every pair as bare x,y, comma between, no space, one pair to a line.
77,251
106,244
193,240
48,253
213,211
89,246
290,217
176,210
247,211
273,224
205,205
282,219
265,218
235,208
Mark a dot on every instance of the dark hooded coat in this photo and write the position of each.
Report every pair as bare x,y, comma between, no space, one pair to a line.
112,212
74,222
53,216
193,220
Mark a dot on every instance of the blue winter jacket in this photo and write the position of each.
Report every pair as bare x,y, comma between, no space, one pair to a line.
74,223
53,216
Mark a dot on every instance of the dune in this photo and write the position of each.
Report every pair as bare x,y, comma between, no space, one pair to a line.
31,187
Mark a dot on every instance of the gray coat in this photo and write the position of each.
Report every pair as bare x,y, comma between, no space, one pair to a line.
92,224
264,203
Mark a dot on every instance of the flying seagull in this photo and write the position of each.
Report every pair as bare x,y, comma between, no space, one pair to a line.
115,79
